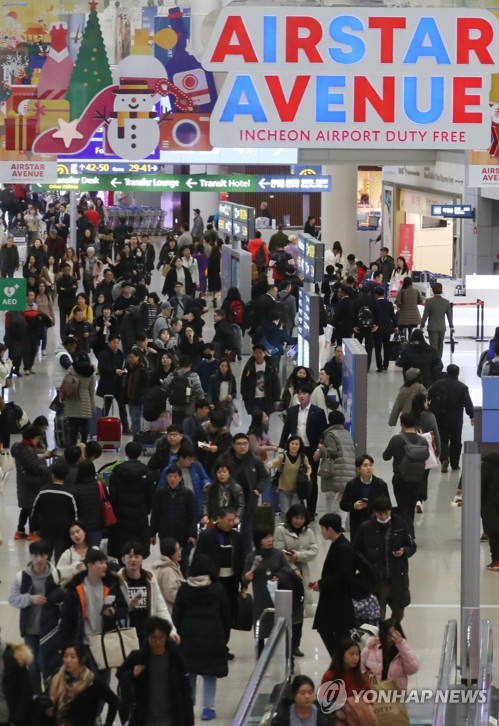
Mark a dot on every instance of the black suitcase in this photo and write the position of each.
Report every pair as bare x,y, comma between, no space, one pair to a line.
61,431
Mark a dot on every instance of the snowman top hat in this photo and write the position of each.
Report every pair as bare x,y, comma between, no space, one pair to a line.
133,85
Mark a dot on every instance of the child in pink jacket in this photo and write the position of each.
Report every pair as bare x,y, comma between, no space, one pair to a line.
390,655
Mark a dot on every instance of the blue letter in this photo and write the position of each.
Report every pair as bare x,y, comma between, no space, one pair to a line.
243,85
325,99
436,48
356,45
269,38
411,95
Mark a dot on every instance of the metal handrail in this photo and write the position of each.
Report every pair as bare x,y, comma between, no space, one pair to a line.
448,664
485,671
250,694
258,623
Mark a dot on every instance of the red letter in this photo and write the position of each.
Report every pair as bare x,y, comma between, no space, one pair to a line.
287,109
383,105
295,42
478,45
387,25
234,26
460,101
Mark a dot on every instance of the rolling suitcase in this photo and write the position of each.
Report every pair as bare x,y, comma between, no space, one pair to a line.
61,431
109,432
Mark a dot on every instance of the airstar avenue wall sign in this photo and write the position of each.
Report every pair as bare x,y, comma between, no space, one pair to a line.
352,77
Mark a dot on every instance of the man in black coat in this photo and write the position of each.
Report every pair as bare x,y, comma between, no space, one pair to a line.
253,477
223,339
139,688
112,372
309,422
260,386
175,514
454,396
387,324
334,616
66,286
360,493
224,546
106,287
365,321
343,318
54,509
387,544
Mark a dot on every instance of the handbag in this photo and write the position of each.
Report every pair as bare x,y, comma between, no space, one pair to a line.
110,649
6,462
394,348
108,515
244,614
389,712
326,468
432,461
366,610
303,483
270,349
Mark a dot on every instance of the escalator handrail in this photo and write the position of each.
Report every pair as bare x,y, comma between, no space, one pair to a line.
485,671
448,662
251,691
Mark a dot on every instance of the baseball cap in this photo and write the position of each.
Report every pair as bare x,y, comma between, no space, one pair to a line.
196,210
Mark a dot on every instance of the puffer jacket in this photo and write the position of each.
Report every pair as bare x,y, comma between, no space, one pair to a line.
407,301
169,577
339,446
31,473
83,404
305,546
88,501
131,491
405,663
16,682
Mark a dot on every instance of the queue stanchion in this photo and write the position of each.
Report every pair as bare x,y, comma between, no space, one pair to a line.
481,332
480,318
452,342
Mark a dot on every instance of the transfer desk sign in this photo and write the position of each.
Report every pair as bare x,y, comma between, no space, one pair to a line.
352,78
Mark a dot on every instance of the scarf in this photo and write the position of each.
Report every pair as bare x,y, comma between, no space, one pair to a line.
64,689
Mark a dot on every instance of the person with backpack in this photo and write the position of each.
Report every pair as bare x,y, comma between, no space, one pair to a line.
183,388
491,367
288,301
448,398
279,263
259,252
411,387
224,338
409,451
365,321
78,396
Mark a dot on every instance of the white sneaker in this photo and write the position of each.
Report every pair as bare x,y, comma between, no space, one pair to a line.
419,507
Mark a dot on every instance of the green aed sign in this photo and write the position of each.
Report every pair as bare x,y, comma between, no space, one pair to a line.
13,293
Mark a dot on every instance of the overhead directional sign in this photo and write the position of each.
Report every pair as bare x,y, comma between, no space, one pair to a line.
312,183
154,183
147,182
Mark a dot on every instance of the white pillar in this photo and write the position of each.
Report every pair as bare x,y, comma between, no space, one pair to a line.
339,208
207,202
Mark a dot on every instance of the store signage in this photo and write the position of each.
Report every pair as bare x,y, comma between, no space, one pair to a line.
481,175
13,294
462,211
28,172
154,183
310,260
295,183
352,78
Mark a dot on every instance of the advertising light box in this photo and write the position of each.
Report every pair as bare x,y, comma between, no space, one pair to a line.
337,77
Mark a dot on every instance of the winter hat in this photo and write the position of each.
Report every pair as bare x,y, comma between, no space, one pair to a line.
412,374
90,249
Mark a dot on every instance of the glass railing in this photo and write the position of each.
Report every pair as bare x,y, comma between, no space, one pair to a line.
268,680
485,672
447,672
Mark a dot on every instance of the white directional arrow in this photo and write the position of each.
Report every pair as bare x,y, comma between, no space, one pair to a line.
115,183
154,168
263,183
191,183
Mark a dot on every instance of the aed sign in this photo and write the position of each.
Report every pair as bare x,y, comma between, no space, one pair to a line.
353,78
13,293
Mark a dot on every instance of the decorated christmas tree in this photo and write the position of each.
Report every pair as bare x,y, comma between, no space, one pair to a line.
91,72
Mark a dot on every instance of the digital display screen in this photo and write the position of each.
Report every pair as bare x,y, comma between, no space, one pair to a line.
463,211
236,220
310,262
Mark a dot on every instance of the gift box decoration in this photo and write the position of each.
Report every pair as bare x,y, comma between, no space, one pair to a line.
20,94
48,112
20,131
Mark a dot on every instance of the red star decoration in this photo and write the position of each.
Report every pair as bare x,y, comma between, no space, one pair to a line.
93,5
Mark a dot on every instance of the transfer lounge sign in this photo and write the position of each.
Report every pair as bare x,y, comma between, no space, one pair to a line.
352,78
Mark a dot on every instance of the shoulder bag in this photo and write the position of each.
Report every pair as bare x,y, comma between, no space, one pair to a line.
108,514
110,649
303,483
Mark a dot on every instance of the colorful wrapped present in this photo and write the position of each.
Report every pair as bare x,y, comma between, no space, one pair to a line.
48,112
20,131
20,94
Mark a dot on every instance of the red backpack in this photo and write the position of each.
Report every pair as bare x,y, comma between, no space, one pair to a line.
236,312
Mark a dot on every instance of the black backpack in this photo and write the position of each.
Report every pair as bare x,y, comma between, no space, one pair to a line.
439,400
249,315
260,259
493,368
154,403
281,263
176,392
365,316
411,467
15,414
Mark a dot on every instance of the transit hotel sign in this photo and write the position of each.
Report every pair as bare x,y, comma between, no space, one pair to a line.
352,77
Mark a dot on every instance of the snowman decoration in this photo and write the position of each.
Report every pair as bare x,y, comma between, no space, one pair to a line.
133,130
